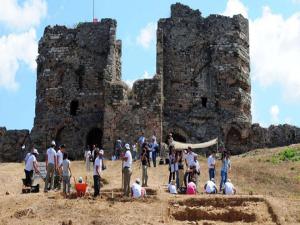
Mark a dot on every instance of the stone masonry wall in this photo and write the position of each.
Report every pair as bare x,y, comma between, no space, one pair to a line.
204,63
73,68
11,142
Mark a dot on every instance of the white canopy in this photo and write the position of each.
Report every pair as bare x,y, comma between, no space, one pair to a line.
179,145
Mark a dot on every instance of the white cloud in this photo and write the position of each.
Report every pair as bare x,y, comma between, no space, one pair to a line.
147,35
14,49
296,1
24,16
275,52
235,7
274,113
145,75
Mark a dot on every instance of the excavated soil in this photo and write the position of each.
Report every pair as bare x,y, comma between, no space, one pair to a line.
235,209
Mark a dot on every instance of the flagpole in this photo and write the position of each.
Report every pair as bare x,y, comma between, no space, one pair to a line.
93,9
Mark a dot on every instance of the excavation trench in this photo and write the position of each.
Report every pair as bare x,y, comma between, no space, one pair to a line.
224,209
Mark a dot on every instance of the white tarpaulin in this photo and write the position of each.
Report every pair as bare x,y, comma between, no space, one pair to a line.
179,145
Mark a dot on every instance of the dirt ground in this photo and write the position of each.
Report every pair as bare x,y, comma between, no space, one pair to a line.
267,194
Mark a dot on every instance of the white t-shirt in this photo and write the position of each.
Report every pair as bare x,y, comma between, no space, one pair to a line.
87,155
172,189
60,156
98,162
27,157
136,190
229,188
129,159
196,164
29,163
189,158
210,187
211,161
66,165
51,153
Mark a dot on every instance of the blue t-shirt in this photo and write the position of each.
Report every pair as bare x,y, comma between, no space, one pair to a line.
225,165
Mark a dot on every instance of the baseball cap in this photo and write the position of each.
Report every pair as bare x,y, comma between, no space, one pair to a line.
80,179
53,143
35,151
101,152
127,146
137,180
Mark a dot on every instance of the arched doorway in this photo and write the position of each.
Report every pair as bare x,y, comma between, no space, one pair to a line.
94,137
233,139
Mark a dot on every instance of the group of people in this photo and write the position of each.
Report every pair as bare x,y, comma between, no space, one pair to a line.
184,168
184,172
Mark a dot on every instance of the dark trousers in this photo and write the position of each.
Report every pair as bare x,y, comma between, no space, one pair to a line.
211,173
96,185
223,179
154,158
28,178
171,176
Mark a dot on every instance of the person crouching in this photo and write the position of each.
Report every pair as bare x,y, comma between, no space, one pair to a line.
172,187
210,187
137,190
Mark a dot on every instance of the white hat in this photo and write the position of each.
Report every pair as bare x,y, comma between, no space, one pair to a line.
53,143
101,152
80,179
137,180
35,151
127,146
213,180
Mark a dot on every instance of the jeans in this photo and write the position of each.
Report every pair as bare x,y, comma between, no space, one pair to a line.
127,175
211,172
171,176
49,177
154,158
66,184
133,155
223,178
145,176
28,178
96,185
177,178
88,164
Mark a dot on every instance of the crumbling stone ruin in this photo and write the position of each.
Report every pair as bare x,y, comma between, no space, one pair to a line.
201,89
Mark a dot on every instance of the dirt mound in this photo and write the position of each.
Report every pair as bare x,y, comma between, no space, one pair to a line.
224,209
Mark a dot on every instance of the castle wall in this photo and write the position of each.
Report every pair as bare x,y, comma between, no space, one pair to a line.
11,142
204,63
73,66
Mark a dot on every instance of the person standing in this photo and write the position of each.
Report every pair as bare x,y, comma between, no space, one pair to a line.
66,174
180,177
88,156
97,173
134,152
173,165
226,166
127,171
189,159
31,165
28,154
196,171
118,148
144,161
140,142
211,162
50,166
58,171
154,150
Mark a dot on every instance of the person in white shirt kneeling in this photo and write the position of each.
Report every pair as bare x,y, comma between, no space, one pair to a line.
229,188
137,190
210,187
172,187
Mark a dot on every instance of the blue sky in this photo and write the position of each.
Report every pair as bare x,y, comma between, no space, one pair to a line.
274,39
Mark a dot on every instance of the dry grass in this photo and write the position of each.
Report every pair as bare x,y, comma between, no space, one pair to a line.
251,173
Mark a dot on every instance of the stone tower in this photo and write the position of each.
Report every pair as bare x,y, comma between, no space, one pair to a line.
74,68
204,63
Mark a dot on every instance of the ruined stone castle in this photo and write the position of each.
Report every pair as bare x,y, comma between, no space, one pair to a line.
201,89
